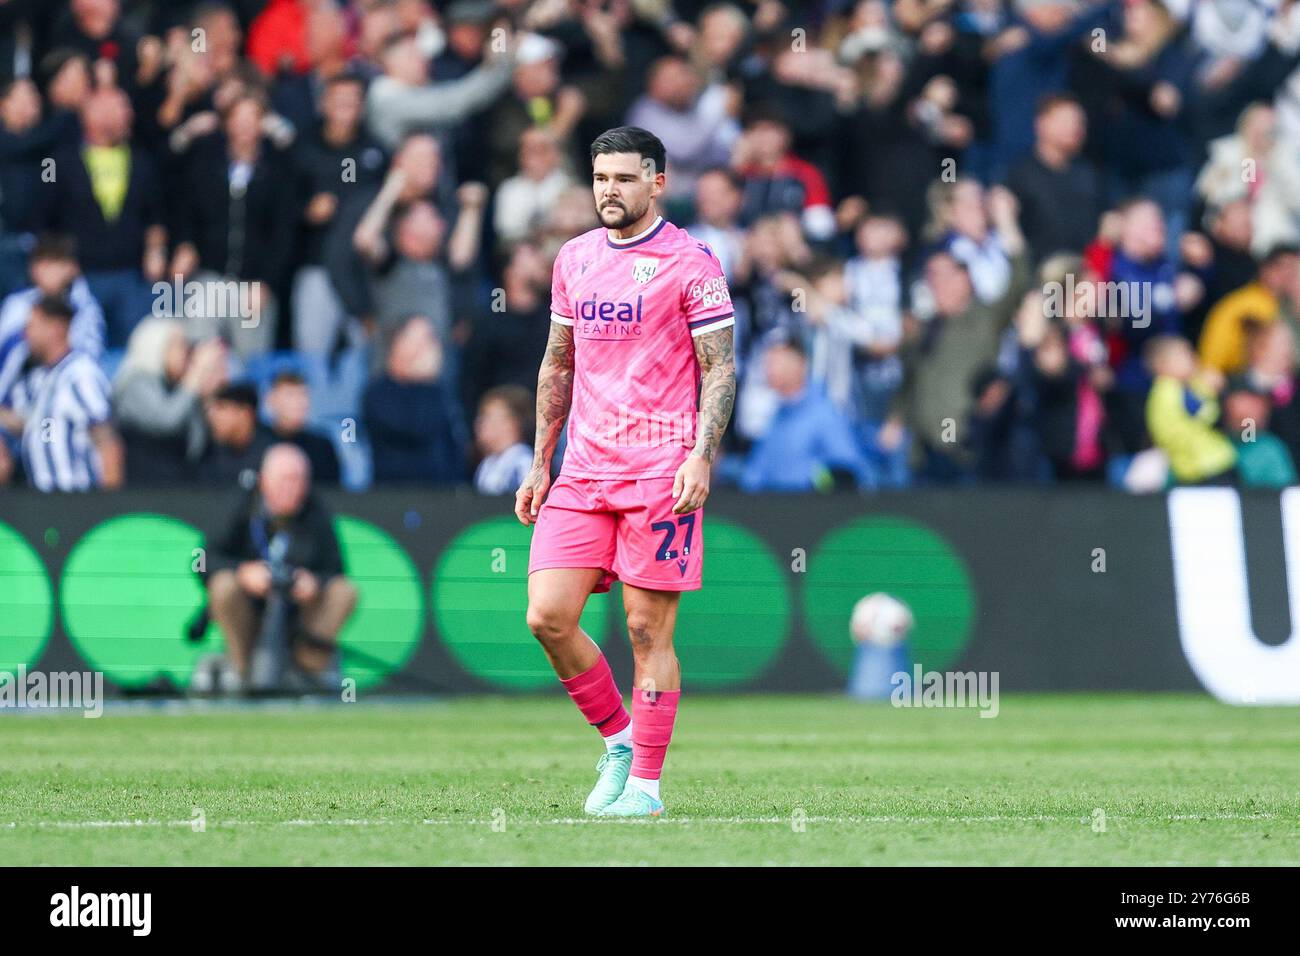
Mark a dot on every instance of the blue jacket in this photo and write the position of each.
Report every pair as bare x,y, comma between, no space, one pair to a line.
808,436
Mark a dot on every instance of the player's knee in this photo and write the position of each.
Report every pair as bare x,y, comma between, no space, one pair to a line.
644,633
550,625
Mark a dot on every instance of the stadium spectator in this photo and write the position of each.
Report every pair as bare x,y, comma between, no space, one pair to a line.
776,180
288,403
360,232
1156,295
1221,254
504,420
695,122
328,45
27,137
1261,166
719,198
1137,88
524,200
199,70
506,347
1061,373
809,445
236,439
60,408
1181,412
107,195
1271,373
158,397
235,239
409,276
1058,190
238,577
95,29
874,278
54,274
961,224
324,155
415,425
1263,460
402,100
1223,340
941,363
1035,54
535,97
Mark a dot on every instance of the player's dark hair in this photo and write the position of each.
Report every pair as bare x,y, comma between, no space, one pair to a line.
631,139
55,307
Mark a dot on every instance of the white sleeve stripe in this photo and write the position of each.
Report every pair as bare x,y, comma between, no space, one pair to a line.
722,323
562,319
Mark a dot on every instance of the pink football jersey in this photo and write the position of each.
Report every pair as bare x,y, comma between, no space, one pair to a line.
635,305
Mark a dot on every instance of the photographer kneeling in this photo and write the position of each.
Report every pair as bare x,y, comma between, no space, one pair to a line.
275,579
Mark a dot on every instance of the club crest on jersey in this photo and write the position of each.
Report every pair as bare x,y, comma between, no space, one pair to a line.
643,269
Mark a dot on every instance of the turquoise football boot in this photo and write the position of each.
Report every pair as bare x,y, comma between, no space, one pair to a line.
634,803
613,768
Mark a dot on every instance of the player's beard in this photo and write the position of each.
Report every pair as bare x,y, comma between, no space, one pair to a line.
625,215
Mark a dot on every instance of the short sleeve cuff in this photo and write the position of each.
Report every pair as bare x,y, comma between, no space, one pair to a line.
712,323
562,319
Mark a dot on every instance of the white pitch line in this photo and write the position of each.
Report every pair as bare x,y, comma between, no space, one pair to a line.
584,821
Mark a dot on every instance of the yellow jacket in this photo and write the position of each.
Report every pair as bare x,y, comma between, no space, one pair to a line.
1196,449
1223,339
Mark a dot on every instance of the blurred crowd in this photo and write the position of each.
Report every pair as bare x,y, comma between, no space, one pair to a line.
1026,241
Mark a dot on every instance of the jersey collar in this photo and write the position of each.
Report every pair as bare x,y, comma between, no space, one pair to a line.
645,236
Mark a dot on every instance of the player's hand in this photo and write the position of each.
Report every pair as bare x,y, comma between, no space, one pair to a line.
690,485
531,494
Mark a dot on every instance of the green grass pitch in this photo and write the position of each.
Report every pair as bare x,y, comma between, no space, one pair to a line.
750,780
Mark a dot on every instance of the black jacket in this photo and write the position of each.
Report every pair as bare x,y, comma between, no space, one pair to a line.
69,206
248,237
245,532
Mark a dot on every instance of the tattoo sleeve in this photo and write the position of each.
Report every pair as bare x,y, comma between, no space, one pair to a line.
554,391
714,351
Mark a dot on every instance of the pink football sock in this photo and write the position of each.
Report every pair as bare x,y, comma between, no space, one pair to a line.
652,728
597,696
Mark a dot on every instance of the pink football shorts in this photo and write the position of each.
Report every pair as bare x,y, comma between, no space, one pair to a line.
624,526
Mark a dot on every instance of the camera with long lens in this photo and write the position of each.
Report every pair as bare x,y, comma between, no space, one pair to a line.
271,655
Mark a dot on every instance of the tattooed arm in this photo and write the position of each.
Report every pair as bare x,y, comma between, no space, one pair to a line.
714,353
554,395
